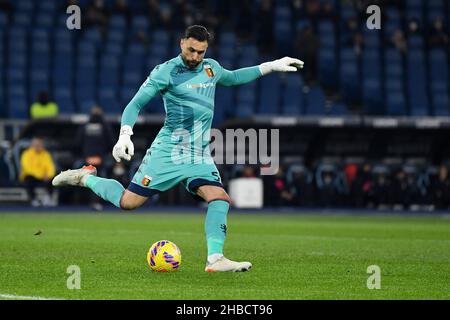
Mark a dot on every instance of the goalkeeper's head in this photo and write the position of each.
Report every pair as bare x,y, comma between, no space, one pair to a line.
194,44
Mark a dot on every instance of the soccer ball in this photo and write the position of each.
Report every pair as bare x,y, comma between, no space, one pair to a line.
164,256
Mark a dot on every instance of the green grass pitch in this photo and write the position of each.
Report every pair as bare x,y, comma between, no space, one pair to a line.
294,256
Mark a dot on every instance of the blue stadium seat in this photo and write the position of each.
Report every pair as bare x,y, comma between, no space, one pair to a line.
393,85
16,76
371,64
372,95
39,81
269,94
392,14
139,23
161,37
292,95
25,5
396,105
62,71
315,101
126,94
47,6
3,20
245,100
132,79
389,27
92,35
108,101
327,68
45,20
224,104
160,52
116,36
325,27
438,71
441,104
372,40
415,42
63,97
109,72
227,39
349,76
117,22
417,83
113,48
17,103
23,19
339,109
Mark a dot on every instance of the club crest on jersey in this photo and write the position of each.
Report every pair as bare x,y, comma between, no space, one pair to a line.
146,181
209,71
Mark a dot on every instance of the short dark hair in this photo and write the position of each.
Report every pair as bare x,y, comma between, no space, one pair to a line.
197,32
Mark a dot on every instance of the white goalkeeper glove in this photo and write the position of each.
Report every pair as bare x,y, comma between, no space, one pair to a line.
124,148
286,64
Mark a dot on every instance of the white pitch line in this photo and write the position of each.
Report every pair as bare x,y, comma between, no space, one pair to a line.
13,296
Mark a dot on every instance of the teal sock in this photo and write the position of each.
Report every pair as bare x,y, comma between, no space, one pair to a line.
107,189
216,226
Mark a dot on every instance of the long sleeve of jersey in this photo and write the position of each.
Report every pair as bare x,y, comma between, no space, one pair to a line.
156,82
239,76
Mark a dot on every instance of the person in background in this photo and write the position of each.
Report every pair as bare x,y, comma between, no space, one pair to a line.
43,107
442,188
95,139
37,170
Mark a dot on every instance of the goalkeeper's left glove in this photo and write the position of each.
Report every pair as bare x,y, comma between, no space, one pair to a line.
286,64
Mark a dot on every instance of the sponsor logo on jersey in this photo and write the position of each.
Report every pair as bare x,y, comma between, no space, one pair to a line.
146,181
200,85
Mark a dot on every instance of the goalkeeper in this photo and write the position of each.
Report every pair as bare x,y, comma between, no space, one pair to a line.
187,84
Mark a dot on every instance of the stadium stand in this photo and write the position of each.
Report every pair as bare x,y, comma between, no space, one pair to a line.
401,70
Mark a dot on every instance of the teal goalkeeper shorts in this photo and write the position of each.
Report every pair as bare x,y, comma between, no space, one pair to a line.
158,173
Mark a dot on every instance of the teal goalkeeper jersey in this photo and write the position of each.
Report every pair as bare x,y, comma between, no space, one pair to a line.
188,96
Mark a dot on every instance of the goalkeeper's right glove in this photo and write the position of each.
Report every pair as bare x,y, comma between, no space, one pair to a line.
124,148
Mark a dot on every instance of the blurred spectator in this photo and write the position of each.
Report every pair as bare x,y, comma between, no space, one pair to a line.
380,190
96,141
97,15
361,186
276,190
306,47
399,42
43,107
413,27
37,170
326,188
4,176
248,172
312,10
327,12
350,171
442,189
121,8
398,188
438,37
301,188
